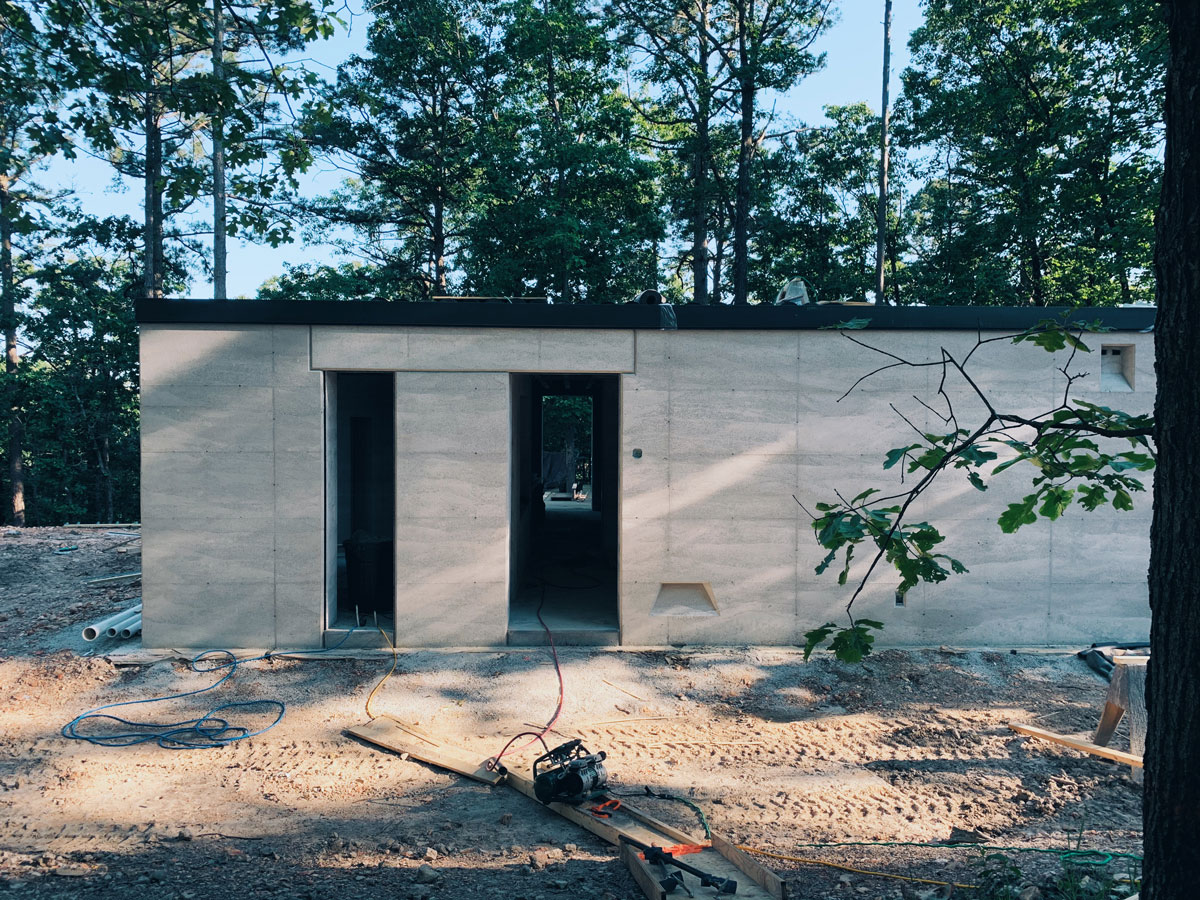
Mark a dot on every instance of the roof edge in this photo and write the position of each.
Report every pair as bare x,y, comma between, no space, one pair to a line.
624,316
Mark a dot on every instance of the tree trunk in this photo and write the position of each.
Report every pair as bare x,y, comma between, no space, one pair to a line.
153,199
1037,270
1172,787
440,105
439,243
741,213
700,165
1028,226
218,151
106,481
563,262
893,265
951,206
884,149
718,254
12,357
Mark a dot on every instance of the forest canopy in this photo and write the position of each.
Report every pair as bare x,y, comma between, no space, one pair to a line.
580,151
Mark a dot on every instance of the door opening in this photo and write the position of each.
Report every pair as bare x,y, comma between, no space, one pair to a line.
361,505
563,549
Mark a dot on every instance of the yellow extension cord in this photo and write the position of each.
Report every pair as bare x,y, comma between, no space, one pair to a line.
383,680
833,865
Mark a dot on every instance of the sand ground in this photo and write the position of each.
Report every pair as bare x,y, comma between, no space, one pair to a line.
779,753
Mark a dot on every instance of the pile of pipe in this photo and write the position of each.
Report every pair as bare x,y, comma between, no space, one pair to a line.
124,624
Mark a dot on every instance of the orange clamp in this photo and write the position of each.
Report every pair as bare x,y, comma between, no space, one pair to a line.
681,849
601,811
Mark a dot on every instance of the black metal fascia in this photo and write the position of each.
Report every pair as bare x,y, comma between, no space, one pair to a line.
635,316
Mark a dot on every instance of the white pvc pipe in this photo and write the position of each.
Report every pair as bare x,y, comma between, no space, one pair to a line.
91,632
134,626
115,628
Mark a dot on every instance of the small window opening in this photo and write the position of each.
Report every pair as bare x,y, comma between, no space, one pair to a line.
1116,367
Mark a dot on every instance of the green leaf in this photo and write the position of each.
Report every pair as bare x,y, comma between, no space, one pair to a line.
1008,464
829,558
930,459
1018,514
1051,335
976,481
845,573
973,455
894,456
1142,462
812,639
1057,499
849,325
1122,500
853,644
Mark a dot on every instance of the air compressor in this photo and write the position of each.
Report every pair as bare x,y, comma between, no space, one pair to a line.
569,774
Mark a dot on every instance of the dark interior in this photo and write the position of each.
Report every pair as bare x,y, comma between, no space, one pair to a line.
366,506
563,552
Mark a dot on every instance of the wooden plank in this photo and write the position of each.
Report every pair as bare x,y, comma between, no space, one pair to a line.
640,870
109,579
103,525
772,883
1078,744
393,735
610,829
714,863
631,822
679,836
1110,718
637,827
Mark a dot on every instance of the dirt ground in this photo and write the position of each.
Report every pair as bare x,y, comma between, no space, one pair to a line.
780,755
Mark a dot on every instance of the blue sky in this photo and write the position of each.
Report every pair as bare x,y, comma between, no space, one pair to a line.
852,73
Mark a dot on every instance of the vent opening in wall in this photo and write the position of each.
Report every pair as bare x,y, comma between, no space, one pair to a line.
1116,367
694,598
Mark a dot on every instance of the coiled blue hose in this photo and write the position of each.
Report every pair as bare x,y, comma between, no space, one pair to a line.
206,732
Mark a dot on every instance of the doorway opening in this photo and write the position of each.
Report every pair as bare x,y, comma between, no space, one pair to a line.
563,547
360,500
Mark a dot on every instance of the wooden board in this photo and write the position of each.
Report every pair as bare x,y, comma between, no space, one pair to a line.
393,734
721,858
640,870
1078,744
630,821
627,820
752,867
709,860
